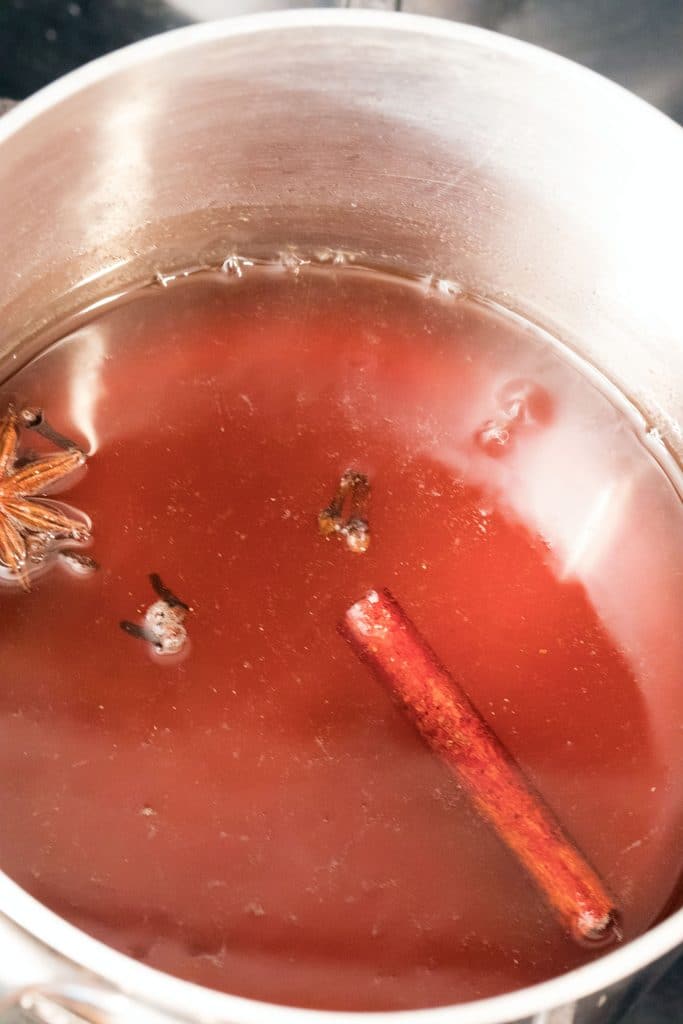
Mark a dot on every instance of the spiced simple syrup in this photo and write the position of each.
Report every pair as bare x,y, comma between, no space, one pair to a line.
252,812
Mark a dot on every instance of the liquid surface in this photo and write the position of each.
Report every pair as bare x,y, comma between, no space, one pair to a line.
254,814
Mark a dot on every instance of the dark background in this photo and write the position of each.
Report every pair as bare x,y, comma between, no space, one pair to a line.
638,43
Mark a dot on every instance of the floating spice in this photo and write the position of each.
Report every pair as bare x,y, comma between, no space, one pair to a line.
347,513
33,419
29,524
163,625
81,563
384,637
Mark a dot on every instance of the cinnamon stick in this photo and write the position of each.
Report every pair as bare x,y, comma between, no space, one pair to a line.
382,635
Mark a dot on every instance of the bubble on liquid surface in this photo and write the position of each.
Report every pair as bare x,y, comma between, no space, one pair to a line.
493,437
292,262
236,265
526,402
522,405
449,288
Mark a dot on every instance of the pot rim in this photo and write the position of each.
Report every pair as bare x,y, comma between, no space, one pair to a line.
163,990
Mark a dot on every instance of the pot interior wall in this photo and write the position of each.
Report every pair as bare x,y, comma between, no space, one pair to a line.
416,144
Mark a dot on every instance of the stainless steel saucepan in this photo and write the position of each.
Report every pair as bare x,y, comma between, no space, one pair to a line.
422,145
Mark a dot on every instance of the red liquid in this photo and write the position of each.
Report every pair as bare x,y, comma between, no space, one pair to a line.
254,814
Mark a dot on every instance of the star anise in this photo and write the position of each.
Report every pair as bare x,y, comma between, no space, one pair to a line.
29,525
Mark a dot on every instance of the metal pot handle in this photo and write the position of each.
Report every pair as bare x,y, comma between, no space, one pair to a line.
39,986
26,963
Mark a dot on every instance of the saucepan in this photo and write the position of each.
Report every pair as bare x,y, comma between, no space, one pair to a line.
422,145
